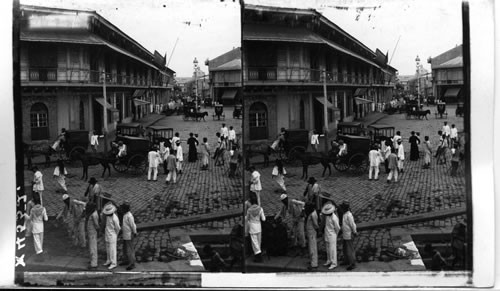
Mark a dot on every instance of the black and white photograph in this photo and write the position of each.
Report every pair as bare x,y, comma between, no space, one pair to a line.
131,136
249,144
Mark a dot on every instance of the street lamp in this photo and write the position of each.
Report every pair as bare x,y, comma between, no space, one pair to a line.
195,63
417,60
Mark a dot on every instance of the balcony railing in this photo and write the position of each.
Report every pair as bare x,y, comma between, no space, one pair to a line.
445,82
82,76
298,74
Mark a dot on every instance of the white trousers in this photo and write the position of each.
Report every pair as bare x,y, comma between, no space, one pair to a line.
111,252
256,239
393,172
179,166
93,249
38,242
171,175
373,169
155,173
331,249
400,164
313,247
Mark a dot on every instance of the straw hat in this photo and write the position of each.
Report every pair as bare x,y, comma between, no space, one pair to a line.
109,209
328,209
326,195
283,197
65,196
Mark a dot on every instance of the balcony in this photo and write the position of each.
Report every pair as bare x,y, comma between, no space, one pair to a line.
449,82
82,76
306,75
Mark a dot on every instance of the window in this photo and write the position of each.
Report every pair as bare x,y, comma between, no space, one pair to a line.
39,121
258,121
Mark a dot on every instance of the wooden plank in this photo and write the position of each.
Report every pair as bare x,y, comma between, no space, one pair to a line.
195,219
417,218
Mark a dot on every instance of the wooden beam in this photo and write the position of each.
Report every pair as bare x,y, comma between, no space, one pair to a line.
168,223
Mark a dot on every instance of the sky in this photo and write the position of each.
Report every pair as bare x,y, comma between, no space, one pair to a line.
425,28
160,24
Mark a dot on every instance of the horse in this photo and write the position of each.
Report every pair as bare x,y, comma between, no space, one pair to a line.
200,115
312,158
92,159
45,150
422,113
263,149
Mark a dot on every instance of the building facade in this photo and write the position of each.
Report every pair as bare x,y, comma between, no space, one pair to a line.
290,56
447,75
225,77
75,64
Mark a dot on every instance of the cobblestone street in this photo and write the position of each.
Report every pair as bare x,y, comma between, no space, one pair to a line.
196,192
417,190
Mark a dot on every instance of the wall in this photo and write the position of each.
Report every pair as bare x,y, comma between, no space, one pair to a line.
51,104
271,104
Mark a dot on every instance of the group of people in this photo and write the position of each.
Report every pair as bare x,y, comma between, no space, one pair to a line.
391,152
313,215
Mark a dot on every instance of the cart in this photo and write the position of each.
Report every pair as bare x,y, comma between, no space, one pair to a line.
441,110
237,112
350,128
381,132
219,112
296,142
460,109
158,133
189,110
77,141
129,129
137,155
356,158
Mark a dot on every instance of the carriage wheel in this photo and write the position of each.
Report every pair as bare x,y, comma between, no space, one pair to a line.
120,166
72,155
137,164
294,153
340,164
358,163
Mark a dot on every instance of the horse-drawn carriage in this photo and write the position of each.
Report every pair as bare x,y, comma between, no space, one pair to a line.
129,129
356,157
238,111
441,110
136,158
350,128
158,133
219,112
381,132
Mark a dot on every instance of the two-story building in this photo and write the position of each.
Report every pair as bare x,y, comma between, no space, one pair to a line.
225,77
290,56
75,64
447,75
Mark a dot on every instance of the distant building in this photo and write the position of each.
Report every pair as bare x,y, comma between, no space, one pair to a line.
225,77
447,75
286,55
63,56
421,81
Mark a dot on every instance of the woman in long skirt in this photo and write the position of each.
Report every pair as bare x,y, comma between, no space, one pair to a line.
60,175
414,141
192,153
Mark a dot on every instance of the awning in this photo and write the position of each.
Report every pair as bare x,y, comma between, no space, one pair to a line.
452,92
322,101
138,102
105,104
362,100
138,93
360,92
229,94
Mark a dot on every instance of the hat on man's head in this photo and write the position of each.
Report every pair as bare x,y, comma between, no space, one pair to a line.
311,180
92,180
345,202
109,209
327,196
283,197
65,196
328,208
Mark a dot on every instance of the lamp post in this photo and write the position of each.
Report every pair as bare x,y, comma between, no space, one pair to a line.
195,63
417,60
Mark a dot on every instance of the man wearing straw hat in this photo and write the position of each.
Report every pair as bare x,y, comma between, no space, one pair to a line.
110,234
332,229
296,210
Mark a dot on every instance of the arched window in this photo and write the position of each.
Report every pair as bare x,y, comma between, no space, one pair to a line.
258,121
39,121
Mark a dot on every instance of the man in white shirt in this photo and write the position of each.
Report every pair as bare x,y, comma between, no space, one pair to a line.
342,148
348,231
454,134
395,139
315,141
153,161
174,141
129,231
224,132
122,149
446,131
231,137
401,155
374,157
255,185
94,141
179,156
